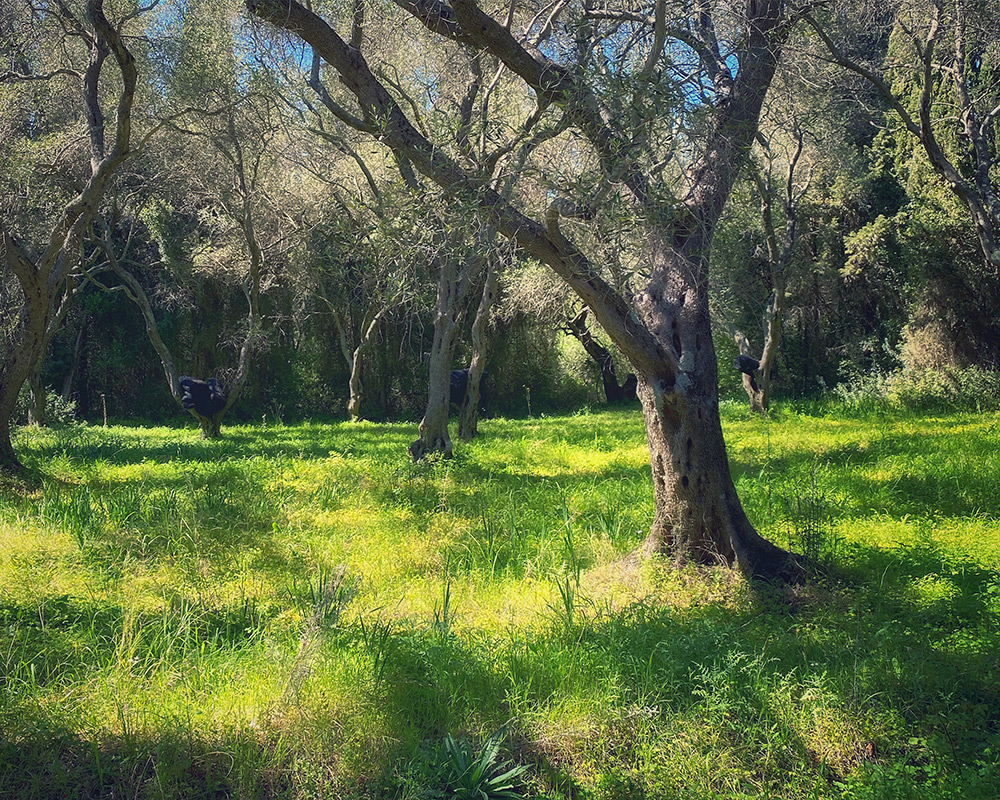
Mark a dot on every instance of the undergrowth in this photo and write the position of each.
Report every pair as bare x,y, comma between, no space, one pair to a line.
299,612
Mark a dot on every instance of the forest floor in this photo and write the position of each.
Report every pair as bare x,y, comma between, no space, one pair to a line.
297,611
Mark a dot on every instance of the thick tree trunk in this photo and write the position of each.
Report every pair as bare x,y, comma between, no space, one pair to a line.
664,330
211,427
698,514
10,464
699,517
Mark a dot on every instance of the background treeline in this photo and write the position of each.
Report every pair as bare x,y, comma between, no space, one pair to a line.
248,192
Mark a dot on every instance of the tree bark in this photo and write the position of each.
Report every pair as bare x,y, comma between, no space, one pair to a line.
468,418
67,387
577,328
354,355
36,402
454,282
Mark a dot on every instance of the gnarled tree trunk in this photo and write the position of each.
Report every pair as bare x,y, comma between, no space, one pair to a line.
664,330
41,277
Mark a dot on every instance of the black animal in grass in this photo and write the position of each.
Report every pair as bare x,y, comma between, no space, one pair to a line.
459,383
205,398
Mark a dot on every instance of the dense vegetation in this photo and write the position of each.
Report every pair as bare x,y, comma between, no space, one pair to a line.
294,611
245,173
286,214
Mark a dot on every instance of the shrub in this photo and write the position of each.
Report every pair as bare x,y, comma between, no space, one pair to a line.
926,390
57,410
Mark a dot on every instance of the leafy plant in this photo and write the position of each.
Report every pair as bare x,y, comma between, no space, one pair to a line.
482,776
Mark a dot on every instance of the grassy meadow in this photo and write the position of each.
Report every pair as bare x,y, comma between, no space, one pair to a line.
297,611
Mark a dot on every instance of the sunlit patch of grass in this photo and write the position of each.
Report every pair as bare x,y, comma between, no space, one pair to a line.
171,623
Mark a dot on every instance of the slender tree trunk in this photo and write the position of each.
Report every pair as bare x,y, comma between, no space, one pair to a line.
67,387
42,277
355,393
354,357
36,402
454,281
468,419
577,328
433,429
10,464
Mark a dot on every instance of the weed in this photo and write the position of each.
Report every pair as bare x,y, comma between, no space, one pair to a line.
376,635
482,776
442,612
807,515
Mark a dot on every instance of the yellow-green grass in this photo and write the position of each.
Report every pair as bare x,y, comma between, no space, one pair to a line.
299,611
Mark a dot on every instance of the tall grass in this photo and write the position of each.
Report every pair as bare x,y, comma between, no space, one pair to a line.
299,611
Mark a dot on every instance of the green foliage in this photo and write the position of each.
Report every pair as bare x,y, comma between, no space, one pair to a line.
970,389
482,776
57,410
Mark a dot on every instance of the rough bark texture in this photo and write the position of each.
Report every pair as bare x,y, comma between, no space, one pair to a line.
468,418
454,282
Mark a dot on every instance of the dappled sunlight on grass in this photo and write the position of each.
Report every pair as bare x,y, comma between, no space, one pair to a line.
298,610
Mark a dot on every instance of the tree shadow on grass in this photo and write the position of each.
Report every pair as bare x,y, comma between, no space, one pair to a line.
901,650
47,760
883,675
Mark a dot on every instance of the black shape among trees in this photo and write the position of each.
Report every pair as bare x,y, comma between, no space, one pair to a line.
748,366
203,397
629,387
459,381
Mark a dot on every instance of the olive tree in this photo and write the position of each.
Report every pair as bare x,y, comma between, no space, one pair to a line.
614,79
939,74
47,42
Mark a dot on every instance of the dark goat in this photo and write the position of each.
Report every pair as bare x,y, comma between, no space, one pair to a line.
459,383
204,397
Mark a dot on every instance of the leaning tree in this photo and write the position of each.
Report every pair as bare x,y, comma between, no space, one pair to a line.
49,43
660,103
